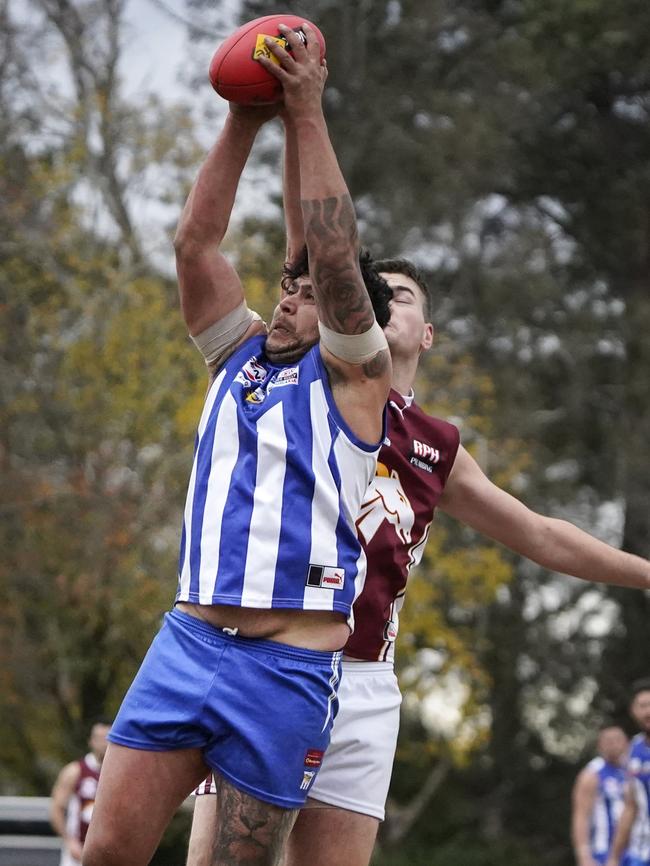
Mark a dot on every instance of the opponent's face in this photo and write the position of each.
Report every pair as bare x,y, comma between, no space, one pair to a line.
641,711
408,333
294,327
613,745
98,742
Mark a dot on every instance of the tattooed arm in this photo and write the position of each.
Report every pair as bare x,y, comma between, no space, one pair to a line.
330,230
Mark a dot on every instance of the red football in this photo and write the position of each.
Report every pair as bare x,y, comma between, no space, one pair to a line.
237,76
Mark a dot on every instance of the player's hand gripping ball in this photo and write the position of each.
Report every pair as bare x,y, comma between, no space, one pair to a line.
234,71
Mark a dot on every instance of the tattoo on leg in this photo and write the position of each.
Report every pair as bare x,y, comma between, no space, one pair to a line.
249,832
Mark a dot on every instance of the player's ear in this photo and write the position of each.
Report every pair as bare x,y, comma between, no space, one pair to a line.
427,337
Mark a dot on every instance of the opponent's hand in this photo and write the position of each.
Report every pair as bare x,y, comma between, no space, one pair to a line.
301,71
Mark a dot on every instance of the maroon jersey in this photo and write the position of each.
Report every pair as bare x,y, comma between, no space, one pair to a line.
83,799
393,525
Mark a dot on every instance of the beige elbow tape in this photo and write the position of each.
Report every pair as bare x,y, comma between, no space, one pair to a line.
218,338
353,348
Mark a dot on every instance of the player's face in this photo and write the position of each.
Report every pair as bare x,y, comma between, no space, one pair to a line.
613,744
294,327
641,711
98,742
407,333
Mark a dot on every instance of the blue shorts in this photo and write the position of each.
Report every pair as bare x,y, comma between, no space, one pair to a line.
260,711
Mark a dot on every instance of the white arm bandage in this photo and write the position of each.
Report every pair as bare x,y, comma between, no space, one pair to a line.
353,348
215,341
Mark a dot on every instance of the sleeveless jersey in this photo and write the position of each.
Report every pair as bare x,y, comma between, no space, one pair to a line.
639,775
81,803
393,524
608,804
277,482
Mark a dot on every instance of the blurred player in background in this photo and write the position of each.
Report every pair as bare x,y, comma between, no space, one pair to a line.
597,800
633,832
73,796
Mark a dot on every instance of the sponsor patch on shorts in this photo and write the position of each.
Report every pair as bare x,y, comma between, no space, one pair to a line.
314,757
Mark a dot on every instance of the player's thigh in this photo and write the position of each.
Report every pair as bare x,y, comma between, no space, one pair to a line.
249,831
137,795
329,836
203,832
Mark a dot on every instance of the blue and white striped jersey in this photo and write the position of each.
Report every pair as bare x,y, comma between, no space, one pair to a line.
277,483
608,804
638,766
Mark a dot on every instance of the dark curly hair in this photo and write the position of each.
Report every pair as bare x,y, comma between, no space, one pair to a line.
378,289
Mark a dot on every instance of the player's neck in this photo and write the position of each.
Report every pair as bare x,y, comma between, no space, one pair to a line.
404,370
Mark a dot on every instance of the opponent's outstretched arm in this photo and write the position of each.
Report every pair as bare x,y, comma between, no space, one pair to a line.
208,284
555,544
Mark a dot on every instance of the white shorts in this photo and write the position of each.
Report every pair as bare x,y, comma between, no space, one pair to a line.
356,770
358,763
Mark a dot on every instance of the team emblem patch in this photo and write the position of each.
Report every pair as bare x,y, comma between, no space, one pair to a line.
252,373
256,396
326,576
307,779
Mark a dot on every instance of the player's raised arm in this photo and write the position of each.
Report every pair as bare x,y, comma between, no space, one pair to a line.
291,191
344,307
210,289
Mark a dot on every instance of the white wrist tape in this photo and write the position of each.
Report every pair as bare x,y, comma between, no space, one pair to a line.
218,338
353,348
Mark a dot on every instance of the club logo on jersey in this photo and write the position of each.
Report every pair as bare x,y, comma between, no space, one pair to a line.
424,456
325,576
252,373
307,779
256,396
288,376
314,757
390,631
385,500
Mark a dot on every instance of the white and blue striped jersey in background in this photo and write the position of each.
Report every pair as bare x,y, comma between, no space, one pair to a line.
277,483
638,766
608,804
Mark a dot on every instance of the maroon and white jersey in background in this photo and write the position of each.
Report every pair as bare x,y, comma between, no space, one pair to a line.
395,518
80,807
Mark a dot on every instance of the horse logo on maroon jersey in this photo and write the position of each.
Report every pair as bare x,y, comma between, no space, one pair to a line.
385,499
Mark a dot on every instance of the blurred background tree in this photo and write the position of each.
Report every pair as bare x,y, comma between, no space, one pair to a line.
502,144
